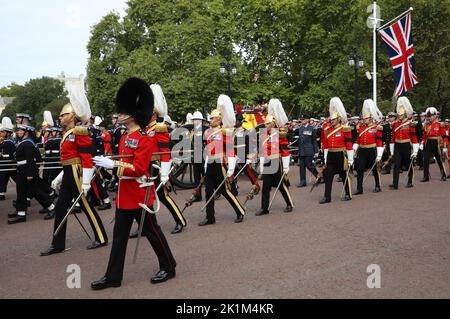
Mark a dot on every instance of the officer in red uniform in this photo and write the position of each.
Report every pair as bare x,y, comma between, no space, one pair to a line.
135,107
275,157
78,170
219,149
403,135
337,141
368,146
434,133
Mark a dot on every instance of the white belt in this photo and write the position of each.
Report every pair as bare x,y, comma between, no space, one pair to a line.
55,152
5,155
21,162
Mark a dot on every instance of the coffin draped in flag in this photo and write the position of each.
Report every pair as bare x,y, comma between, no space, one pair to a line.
399,44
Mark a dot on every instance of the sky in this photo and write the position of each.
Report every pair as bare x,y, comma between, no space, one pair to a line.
46,37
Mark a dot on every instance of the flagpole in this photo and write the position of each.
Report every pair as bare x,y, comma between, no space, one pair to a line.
396,18
374,62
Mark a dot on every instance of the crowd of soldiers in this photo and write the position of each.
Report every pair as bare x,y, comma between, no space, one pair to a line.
82,162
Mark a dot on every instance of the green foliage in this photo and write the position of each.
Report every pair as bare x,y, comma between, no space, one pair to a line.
10,90
295,50
35,96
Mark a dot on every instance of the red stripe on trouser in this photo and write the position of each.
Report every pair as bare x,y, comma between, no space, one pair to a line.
160,241
95,188
252,177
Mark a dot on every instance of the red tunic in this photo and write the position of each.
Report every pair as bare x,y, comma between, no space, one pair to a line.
140,146
106,137
219,142
274,143
76,143
338,138
160,133
370,136
325,126
403,132
434,130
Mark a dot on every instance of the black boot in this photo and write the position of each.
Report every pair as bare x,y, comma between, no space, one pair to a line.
52,250
104,283
162,276
324,200
409,185
392,186
261,212
346,198
14,214
104,206
288,209
95,244
377,189
17,219
425,179
206,221
2,197
358,192
50,215
178,229
239,219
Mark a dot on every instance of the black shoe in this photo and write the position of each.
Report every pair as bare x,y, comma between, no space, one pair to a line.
104,206
2,197
50,215
11,215
409,185
44,211
76,210
134,234
392,186
217,196
104,283
261,212
425,180
178,229
162,276
301,185
239,219
377,189
52,250
358,192
324,200
17,219
206,221
443,178
346,198
288,209
95,244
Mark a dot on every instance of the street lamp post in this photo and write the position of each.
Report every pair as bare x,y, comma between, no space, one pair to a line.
357,62
231,70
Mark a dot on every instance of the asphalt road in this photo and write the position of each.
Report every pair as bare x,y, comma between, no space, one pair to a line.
317,251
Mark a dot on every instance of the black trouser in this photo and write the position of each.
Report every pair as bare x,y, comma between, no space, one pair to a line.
150,229
215,174
52,174
70,190
336,165
198,173
306,163
272,180
166,200
432,149
4,179
385,157
402,157
30,189
366,159
420,158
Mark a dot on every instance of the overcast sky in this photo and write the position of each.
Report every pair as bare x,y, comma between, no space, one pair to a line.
45,37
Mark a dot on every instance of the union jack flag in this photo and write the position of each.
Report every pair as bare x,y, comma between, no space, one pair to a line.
399,44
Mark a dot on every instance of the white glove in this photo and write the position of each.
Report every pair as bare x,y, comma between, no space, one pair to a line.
391,148
355,147
421,146
415,150
87,178
56,183
165,169
350,157
103,162
248,162
325,155
206,163
286,160
380,151
231,166
261,165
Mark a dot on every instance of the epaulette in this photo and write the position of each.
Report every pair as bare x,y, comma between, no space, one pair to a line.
81,130
379,128
161,128
347,128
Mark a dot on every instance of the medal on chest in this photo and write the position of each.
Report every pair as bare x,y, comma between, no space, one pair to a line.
131,143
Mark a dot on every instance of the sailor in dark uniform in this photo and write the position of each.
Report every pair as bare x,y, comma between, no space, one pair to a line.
7,152
307,148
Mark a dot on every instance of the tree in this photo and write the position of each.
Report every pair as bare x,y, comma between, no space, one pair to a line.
34,96
10,90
